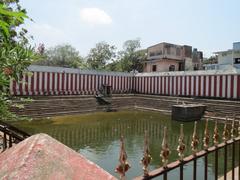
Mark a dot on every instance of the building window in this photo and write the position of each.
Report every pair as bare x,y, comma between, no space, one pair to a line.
154,68
168,50
151,54
178,51
237,61
171,68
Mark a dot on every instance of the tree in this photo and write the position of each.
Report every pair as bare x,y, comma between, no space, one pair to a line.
63,56
131,58
100,56
15,53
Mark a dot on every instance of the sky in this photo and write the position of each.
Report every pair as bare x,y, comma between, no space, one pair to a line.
209,25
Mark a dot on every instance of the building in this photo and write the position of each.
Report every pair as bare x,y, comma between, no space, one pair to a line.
164,57
229,59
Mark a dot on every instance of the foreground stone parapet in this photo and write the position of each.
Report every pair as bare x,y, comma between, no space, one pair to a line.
42,157
188,112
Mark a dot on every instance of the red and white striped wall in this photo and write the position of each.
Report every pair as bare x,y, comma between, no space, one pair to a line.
213,86
57,81
45,80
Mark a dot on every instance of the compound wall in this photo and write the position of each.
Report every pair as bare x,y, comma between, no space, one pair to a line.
44,80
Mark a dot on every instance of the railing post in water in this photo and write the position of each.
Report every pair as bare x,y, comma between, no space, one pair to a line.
165,152
216,141
233,147
123,166
146,155
225,138
181,148
194,145
206,145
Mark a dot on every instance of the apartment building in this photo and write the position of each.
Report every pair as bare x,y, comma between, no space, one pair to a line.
164,57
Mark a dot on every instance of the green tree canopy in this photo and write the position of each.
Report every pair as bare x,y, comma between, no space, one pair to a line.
101,55
63,56
131,57
15,53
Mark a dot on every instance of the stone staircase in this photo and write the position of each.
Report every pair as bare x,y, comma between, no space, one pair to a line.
47,106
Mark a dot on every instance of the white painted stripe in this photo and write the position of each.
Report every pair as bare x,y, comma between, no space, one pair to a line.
212,86
183,85
218,86
229,87
178,88
223,85
167,81
174,85
187,86
192,85
235,87
40,83
202,85
197,85
207,85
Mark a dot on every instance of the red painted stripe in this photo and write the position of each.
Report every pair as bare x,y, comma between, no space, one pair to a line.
63,81
204,86
37,83
177,84
165,86
26,84
20,84
194,85
53,82
226,86
58,82
32,83
72,83
215,86
232,86
43,78
238,87
190,85
199,85
168,79
209,85
220,85
185,85
180,84
48,82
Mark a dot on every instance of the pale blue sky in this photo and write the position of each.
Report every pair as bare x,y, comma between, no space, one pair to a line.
209,25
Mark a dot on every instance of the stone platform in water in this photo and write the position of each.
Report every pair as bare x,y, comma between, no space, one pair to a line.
42,157
188,112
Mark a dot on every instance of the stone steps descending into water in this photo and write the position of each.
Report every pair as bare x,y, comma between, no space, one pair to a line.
44,106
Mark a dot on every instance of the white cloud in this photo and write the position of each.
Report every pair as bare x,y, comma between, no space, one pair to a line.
95,16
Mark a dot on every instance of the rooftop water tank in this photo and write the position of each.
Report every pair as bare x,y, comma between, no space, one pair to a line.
236,46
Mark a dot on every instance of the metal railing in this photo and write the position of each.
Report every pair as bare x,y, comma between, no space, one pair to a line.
230,137
10,135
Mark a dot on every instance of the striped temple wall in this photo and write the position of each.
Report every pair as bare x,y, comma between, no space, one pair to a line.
195,85
55,81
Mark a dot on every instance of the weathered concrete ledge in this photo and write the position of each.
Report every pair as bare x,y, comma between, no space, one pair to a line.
42,157
188,112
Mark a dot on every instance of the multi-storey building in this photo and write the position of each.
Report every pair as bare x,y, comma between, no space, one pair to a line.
165,57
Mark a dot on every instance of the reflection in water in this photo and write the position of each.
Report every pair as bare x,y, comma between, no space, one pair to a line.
96,136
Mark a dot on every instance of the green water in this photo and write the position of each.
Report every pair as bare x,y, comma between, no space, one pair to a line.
96,136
